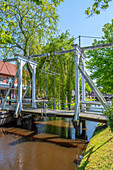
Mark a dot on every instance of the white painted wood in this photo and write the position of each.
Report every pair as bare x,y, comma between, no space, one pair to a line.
83,85
26,90
33,85
76,87
4,101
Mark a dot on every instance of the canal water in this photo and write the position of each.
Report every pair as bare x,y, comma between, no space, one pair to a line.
26,153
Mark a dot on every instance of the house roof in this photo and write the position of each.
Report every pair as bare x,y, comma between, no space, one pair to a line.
7,69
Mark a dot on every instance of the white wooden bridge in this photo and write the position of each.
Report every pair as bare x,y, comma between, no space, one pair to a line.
78,113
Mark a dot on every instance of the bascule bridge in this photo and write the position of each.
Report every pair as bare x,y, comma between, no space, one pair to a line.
80,112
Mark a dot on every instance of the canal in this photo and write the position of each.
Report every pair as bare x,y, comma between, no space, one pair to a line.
26,153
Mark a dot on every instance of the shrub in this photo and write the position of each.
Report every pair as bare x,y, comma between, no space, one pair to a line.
109,114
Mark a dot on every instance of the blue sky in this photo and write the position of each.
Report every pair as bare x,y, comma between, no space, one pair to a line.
73,18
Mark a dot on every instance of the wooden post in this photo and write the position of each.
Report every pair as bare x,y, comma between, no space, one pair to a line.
77,129
84,135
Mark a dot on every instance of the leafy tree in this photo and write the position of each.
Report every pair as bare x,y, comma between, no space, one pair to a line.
31,23
6,36
100,61
97,6
55,2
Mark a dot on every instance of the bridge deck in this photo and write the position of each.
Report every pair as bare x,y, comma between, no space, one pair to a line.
92,116
68,113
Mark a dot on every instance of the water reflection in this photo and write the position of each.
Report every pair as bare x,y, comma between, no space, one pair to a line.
59,126
63,127
90,128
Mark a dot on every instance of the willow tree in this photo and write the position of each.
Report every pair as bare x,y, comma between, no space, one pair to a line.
65,65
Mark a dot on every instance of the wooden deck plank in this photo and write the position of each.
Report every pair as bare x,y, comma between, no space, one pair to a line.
20,131
45,136
58,123
25,133
69,142
61,140
2,129
93,117
17,131
50,112
82,144
8,129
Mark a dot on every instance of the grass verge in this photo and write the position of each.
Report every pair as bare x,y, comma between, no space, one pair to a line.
99,153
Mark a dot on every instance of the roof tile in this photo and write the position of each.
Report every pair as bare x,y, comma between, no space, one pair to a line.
8,68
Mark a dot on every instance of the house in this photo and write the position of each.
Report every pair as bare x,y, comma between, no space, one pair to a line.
7,73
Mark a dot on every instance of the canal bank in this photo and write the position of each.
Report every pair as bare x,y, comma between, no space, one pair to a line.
99,152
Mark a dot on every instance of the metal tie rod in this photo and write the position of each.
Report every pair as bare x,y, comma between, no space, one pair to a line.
97,46
40,55
54,53
81,50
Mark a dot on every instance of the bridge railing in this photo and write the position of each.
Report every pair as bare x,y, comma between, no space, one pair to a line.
92,107
52,105
89,106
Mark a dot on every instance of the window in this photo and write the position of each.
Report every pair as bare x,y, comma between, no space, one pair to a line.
1,78
9,80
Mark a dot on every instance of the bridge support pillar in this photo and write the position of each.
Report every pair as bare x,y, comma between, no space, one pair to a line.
77,125
76,115
83,85
21,64
77,128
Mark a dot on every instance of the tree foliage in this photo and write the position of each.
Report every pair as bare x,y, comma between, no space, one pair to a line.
97,6
100,61
55,2
27,24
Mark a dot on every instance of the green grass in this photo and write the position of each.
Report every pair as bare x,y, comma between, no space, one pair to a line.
87,99
99,153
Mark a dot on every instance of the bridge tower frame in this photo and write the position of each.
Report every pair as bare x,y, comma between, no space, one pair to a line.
22,61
